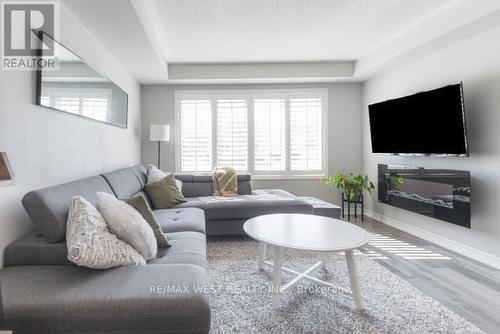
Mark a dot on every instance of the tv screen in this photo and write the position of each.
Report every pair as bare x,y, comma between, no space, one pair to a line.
427,123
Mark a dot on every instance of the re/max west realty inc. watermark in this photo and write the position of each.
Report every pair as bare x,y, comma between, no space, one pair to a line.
28,32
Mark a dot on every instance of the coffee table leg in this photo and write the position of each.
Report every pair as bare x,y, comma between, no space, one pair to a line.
323,258
354,278
262,255
278,263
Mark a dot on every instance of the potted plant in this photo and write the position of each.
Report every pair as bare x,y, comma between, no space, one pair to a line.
352,185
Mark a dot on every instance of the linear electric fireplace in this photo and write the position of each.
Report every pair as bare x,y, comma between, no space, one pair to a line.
439,193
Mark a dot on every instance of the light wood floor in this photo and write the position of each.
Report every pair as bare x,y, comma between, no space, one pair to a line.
465,286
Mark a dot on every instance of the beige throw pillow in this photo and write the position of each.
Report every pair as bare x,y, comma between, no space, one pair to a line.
154,174
225,182
164,193
89,242
139,203
127,224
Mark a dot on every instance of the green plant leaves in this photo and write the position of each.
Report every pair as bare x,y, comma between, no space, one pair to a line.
352,185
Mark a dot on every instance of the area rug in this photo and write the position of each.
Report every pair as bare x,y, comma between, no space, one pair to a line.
241,299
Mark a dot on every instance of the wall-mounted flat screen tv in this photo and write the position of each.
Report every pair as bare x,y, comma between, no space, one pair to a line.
426,123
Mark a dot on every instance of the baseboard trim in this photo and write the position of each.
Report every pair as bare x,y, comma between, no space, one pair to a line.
470,252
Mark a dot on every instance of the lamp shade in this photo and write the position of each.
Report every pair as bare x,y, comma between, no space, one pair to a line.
159,132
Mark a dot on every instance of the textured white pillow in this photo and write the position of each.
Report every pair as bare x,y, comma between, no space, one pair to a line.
154,174
89,242
127,224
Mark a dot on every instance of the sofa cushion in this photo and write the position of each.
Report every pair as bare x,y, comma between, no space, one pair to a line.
323,208
164,193
141,205
140,171
277,192
181,219
90,244
246,207
187,247
155,174
35,249
320,207
127,224
202,185
48,208
71,299
124,182
225,182
145,196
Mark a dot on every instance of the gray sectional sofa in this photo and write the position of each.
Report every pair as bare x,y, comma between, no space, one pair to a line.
45,293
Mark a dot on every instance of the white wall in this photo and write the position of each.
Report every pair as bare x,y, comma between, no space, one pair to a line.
47,147
476,62
344,131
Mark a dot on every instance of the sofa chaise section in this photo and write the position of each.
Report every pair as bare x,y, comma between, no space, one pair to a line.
226,217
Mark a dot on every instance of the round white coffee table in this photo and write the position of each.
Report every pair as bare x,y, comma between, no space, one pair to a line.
306,232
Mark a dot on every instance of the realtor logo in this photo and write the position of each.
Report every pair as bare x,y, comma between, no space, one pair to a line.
23,23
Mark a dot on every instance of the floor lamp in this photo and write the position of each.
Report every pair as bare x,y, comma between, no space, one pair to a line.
159,133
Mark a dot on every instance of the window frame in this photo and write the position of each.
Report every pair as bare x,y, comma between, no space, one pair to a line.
250,95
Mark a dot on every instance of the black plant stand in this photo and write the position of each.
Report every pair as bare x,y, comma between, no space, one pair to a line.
355,202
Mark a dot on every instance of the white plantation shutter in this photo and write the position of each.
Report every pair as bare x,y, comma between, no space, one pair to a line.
195,135
269,129
268,132
306,146
232,134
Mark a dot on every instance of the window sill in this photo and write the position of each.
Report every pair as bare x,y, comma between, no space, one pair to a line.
262,177
288,177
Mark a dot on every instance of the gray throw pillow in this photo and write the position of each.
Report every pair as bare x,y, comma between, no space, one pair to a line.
90,243
139,203
127,224
164,193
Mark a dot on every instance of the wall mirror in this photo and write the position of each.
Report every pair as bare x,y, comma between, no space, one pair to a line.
77,88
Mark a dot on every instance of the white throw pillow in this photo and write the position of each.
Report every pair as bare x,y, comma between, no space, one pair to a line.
89,242
127,224
154,174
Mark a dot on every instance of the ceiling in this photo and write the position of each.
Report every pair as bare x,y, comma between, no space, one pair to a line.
216,31
117,26
202,41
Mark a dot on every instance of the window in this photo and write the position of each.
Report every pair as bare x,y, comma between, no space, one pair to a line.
263,132
196,135
232,141
305,134
269,128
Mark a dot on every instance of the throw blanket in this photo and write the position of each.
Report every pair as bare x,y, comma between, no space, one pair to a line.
225,182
